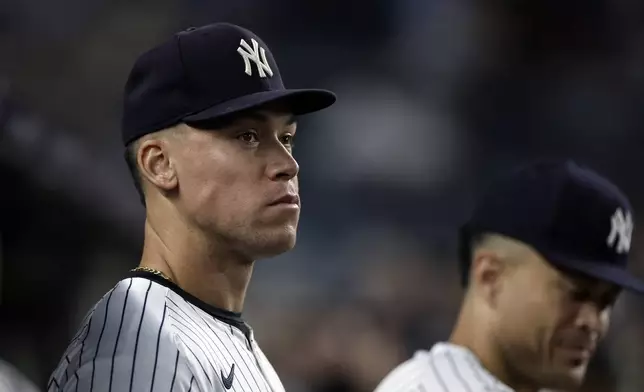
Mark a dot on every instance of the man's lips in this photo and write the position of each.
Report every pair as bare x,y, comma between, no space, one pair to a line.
289,198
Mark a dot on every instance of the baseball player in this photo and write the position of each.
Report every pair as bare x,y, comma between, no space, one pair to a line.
208,128
544,258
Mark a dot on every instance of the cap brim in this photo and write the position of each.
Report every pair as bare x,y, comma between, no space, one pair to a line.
296,101
598,269
601,271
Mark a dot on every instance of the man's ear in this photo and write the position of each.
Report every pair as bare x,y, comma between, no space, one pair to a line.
486,275
155,163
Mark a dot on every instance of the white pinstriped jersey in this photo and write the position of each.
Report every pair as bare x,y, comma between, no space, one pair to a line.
146,334
445,368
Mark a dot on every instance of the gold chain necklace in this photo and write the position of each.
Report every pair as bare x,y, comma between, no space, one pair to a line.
153,271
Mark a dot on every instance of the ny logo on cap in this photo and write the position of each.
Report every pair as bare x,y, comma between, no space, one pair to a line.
621,230
257,54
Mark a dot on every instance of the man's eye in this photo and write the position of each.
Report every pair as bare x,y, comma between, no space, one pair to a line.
607,301
249,137
288,140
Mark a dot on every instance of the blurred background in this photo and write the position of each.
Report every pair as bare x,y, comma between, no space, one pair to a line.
436,98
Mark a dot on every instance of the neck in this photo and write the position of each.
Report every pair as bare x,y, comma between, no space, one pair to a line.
215,276
479,337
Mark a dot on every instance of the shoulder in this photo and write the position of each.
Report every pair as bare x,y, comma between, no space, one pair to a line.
134,308
131,312
439,369
409,375
126,339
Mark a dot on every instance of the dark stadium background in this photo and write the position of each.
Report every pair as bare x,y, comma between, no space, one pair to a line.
436,97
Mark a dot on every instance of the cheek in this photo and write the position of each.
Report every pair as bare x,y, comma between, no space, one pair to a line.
528,312
212,181
565,317
223,192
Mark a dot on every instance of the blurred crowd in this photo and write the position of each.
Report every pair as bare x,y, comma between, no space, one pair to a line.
436,97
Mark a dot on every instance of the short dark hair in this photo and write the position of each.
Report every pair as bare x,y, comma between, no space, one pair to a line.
131,151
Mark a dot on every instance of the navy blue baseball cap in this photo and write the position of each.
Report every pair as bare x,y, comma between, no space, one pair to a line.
205,73
576,219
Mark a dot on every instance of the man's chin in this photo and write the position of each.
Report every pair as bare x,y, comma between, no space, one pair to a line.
276,243
569,379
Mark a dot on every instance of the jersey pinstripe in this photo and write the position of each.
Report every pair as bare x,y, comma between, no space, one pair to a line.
445,368
146,334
